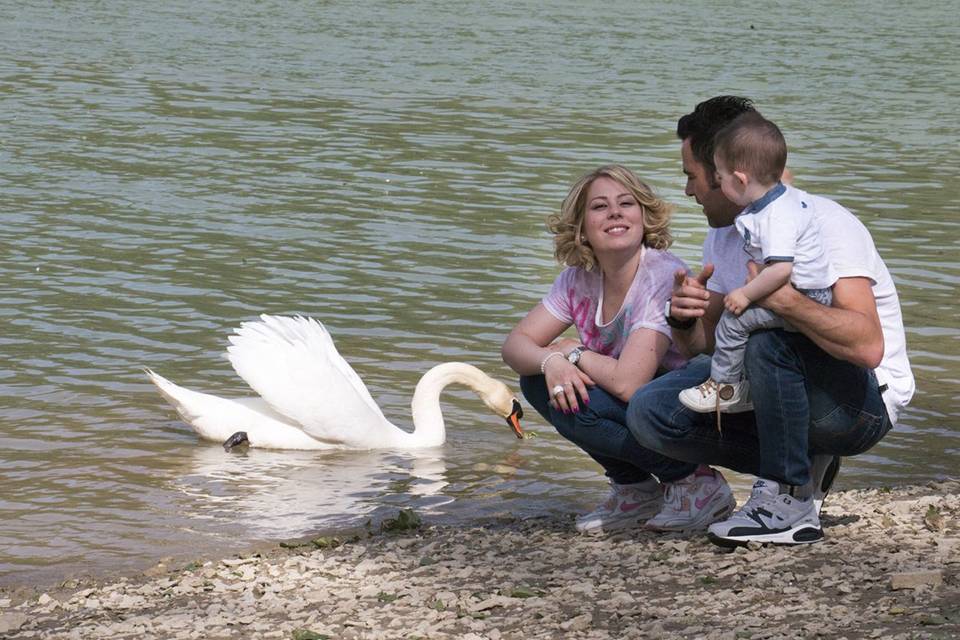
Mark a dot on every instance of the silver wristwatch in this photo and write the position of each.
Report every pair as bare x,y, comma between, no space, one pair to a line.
574,356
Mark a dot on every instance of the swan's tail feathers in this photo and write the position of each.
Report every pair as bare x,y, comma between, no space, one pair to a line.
212,418
167,389
186,402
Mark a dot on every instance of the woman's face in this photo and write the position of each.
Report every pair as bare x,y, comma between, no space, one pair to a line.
613,220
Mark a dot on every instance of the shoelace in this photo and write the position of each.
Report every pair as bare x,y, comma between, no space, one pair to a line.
758,499
705,389
672,495
708,386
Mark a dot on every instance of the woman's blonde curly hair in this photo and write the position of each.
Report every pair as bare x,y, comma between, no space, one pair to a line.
571,248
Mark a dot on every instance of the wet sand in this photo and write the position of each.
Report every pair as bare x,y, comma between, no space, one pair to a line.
888,568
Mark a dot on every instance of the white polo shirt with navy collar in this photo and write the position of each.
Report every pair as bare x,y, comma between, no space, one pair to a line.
781,227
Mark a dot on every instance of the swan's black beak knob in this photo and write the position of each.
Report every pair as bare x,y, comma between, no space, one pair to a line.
514,418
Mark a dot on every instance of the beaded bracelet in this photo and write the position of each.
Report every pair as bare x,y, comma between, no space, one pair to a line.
543,365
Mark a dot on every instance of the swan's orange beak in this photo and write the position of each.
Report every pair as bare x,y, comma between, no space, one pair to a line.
514,419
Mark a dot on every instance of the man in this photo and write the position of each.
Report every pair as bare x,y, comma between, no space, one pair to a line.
832,388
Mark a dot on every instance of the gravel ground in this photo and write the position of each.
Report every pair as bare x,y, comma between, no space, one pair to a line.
889,568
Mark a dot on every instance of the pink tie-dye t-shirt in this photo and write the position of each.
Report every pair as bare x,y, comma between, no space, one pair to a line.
576,297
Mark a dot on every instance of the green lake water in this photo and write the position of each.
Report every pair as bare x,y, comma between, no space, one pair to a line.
169,170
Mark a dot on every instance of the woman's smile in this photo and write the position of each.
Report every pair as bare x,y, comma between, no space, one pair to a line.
614,218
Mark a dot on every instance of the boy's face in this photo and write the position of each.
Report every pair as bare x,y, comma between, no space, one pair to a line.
732,185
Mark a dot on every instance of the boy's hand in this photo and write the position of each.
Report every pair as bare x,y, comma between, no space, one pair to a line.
736,302
777,301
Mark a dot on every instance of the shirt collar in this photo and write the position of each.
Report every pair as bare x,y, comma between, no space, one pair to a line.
775,192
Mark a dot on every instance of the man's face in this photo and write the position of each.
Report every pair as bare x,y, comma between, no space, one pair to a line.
719,211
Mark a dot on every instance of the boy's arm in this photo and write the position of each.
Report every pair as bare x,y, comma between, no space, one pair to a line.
773,276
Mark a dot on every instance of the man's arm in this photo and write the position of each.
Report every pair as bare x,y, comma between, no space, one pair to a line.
849,329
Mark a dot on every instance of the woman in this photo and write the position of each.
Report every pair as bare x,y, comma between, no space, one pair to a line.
612,234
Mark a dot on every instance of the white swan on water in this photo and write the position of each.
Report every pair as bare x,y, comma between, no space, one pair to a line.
310,398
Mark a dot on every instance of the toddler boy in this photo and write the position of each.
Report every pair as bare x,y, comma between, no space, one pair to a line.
777,226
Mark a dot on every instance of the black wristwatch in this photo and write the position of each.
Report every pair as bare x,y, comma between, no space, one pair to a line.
683,325
574,356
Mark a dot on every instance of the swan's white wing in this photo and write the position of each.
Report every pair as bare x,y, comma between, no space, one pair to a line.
293,364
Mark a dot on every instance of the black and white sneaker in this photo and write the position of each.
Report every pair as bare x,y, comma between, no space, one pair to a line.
823,472
769,516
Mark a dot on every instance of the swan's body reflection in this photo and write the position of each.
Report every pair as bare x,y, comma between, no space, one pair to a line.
274,494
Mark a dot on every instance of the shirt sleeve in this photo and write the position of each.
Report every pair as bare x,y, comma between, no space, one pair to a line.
650,297
778,229
559,300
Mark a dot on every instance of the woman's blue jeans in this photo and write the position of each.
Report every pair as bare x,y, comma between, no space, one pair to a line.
805,402
599,428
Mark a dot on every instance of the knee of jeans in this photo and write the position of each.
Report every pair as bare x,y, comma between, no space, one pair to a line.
641,416
762,347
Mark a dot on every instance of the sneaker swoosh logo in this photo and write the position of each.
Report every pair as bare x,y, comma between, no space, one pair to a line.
701,502
629,506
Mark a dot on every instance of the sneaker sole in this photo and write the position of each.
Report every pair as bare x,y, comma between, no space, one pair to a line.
737,407
633,522
802,535
722,513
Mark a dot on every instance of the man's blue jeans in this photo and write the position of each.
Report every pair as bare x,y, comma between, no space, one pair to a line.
599,428
805,402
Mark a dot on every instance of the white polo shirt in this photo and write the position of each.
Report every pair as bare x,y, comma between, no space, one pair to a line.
780,227
852,254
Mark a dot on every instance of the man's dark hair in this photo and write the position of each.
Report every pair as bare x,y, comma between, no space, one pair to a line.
708,118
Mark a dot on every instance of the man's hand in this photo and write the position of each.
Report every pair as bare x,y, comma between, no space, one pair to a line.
690,296
736,301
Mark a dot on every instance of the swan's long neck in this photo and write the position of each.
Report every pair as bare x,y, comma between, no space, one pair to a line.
428,429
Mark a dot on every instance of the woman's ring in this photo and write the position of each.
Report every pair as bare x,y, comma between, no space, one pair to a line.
557,390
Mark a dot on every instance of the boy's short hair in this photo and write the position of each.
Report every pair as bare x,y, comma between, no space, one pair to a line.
754,145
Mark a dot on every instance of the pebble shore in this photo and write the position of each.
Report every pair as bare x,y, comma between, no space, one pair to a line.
889,568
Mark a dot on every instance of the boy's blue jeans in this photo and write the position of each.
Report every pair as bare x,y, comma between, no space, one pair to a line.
600,429
805,402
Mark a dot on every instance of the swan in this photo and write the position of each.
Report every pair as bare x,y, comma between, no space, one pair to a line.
310,398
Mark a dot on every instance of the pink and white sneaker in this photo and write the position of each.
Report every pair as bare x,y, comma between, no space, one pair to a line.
628,505
695,502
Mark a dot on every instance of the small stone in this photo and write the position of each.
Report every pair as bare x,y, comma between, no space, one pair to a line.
12,621
490,603
915,579
580,623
